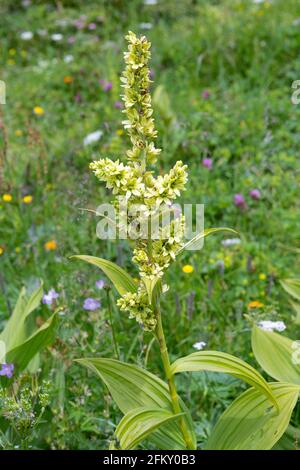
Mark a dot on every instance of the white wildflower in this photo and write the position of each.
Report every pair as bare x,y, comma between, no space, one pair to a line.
56,37
231,241
92,137
145,25
26,35
68,58
200,345
268,325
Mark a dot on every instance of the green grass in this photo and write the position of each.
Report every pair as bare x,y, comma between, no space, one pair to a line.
246,56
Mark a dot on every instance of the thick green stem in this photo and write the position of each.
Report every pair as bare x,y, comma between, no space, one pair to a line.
111,324
170,378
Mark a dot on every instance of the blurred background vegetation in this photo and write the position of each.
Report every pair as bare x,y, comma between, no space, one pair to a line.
222,73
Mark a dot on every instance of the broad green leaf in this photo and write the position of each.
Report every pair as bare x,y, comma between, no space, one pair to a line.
216,361
14,332
120,278
197,241
139,423
289,440
34,364
249,423
292,287
296,307
278,355
133,387
22,354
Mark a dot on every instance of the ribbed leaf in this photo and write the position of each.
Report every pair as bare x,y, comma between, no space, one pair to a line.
289,440
120,278
292,287
296,307
22,354
139,423
197,241
14,332
251,424
216,361
133,387
278,355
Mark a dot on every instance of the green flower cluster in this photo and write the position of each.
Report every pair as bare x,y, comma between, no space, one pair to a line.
136,82
137,184
24,411
137,304
153,263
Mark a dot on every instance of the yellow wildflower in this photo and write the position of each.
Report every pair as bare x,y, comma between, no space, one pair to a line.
7,197
27,199
227,261
38,110
262,277
18,133
255,304
119,132
51,245
1,250
187,269
68,79
17,249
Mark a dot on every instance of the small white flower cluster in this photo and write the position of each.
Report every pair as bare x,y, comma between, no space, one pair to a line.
199,345
133,181
92,137
268,325
231,241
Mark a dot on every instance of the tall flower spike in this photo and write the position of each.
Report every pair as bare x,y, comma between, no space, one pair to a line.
135,81
137,185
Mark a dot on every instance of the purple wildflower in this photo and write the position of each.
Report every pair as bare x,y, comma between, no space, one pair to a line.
7,370
79,24
92,26
118,105
208,163
71,40
106,86
255,194
239,201
100,284
91,304
48,298
151,74
205,94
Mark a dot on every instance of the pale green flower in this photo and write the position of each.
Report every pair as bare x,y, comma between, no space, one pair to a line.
137,185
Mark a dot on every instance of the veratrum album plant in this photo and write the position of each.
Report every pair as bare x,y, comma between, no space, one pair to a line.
154,414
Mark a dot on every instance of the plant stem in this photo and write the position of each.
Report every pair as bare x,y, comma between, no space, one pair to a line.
170,377
111,323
